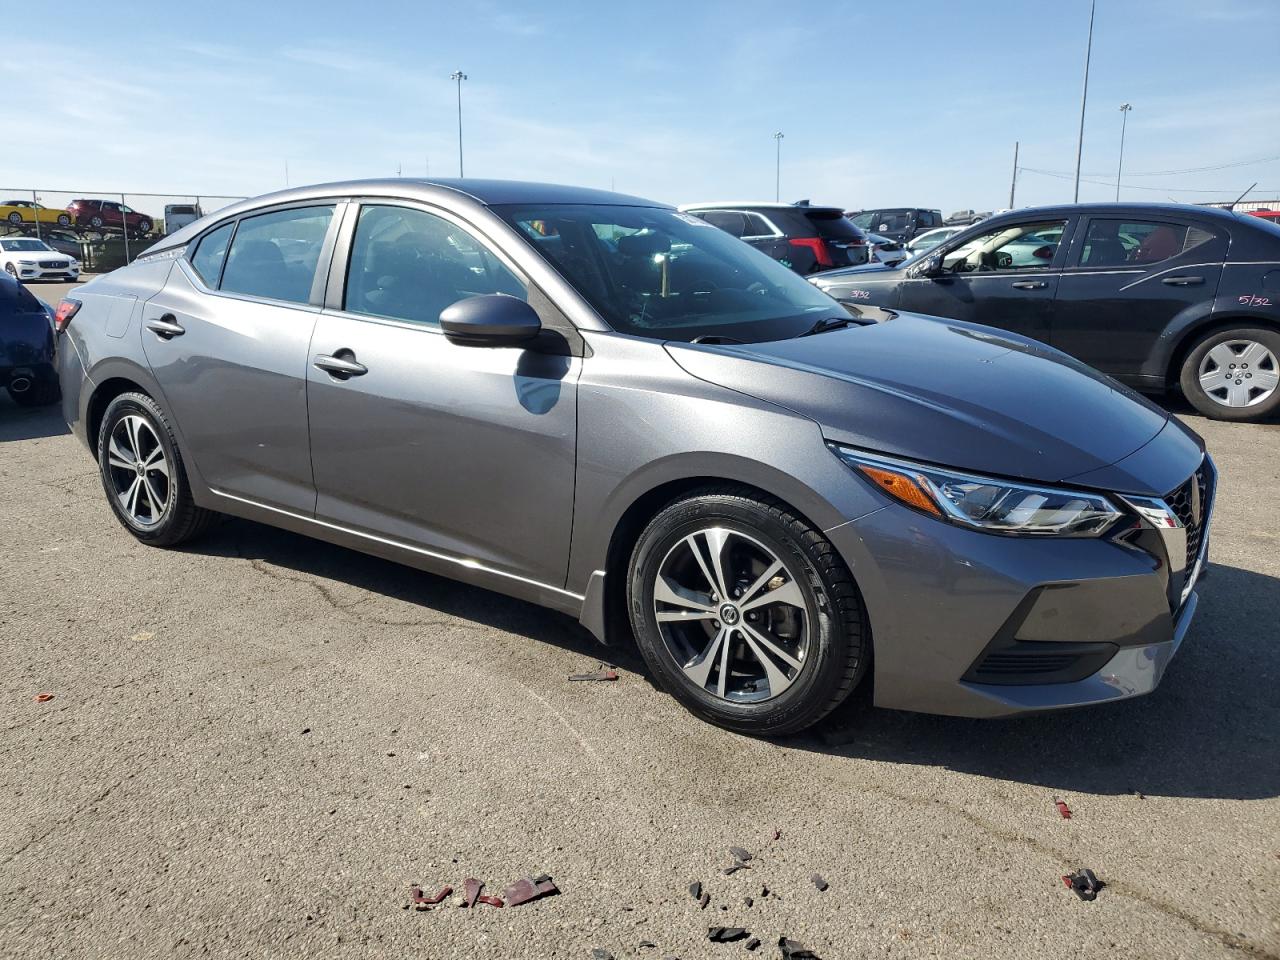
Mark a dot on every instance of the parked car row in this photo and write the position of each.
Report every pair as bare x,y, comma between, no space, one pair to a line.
97,215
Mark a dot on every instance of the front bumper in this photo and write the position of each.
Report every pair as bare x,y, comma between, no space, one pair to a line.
33,271
972,624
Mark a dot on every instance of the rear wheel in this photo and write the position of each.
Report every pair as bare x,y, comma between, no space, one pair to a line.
12,270
15,218
144,226
64,220
95,222
745,613
143,474
1234,374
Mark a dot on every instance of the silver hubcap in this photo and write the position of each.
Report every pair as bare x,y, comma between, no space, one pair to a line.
732,615
1239,373
139,471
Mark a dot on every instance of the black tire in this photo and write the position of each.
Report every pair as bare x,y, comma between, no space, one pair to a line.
182,519
839,645
64,220
144,227
12,270
41,393
95,222
15,218
1196,394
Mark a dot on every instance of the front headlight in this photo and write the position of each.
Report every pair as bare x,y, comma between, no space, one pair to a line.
985,503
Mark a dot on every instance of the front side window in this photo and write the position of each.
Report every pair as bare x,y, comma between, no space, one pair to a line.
1022,246
654,272
865,219
274,255
758,226
1119,243
207,260
408,264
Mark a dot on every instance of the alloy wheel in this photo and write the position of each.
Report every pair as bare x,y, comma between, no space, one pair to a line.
732,615
139,471
1239,373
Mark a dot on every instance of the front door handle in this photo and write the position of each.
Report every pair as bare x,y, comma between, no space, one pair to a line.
1182,281
341,365
166,327
1030,284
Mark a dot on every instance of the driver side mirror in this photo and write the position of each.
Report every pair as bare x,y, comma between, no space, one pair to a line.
932,266
490,320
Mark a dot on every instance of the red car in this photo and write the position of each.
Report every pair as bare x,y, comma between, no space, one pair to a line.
1272,215
107,214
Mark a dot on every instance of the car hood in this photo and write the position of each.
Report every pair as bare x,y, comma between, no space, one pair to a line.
944,392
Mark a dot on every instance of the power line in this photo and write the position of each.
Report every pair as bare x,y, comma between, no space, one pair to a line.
1130,186
1170,173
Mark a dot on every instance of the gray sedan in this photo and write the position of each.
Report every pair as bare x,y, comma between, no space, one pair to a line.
611,408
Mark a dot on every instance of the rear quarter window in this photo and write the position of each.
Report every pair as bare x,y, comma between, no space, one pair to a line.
210,254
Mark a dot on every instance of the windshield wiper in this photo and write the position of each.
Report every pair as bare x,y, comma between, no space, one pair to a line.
715,338
831,323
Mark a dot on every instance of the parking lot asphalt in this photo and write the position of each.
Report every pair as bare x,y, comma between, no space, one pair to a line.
258,743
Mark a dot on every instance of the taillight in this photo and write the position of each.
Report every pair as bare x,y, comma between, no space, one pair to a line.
66,310
819,248
858,242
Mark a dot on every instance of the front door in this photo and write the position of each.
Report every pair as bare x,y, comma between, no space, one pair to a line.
467,452
1002,277
227,341
1125,280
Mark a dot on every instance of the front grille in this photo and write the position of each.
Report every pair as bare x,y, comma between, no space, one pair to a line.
1191,503
52,264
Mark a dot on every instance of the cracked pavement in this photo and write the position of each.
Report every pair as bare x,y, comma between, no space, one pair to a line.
259,743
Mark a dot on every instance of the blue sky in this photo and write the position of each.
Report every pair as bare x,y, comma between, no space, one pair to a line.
889,103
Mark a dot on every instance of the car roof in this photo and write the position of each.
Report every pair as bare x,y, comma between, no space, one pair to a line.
759,204
1136,209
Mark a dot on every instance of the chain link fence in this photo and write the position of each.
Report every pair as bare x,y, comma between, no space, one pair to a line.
102,230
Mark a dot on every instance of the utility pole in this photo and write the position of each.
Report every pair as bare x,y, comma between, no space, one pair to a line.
1124,119
1013,184
458,76
777,170
286,173
1084,97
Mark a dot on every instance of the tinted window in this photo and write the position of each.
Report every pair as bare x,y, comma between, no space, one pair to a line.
864,219
758,226
182,210
409,265
730,221
207,260
1022,246
274,255
832,225
17,245
1112,243
653,272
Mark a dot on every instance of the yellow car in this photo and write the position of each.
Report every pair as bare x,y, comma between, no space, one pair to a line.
18,212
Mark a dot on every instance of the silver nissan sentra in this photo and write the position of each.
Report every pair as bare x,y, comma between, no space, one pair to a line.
602,405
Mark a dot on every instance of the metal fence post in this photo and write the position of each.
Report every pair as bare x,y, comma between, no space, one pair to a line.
124,229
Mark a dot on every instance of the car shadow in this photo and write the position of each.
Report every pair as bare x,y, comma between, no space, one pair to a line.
1211,730
29,423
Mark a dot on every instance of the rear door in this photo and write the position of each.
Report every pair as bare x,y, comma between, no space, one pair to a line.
465,452
1125,280
1003,276
227,340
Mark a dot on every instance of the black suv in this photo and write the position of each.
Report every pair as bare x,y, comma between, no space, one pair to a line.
1157,295
803,237
896,223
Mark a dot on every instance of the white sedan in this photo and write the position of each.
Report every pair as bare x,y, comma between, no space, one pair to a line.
26,258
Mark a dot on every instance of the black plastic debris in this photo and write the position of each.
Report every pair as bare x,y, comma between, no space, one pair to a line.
747,901
648,945
740,854
795,951
753,943
1083,883
726,934
704,900
527,889
695,890
599,953
819,882
734,868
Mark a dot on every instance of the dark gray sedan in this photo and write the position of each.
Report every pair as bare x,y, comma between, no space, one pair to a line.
606,406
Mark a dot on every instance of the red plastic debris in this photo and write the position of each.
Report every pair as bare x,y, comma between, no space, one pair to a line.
43,697
777,834
424,901
526,889
491,901
1063,809
471,891
605,672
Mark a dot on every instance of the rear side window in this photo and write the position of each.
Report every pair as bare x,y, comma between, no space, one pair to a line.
758,226
730,221
408,264
207,260
833,226
274,255
1113,243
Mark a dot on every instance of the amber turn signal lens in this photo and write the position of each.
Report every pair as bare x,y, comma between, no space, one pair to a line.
901,486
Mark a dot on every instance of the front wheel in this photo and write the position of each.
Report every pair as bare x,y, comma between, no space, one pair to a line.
144,476
745,613
144,226
15,218
1234,374
64,220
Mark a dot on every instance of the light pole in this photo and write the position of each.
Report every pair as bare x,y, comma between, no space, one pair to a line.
777,170
459,76
1084,97
1124,119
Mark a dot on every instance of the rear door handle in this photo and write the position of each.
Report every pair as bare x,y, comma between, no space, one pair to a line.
166,327
341,365
1182,281
1030,284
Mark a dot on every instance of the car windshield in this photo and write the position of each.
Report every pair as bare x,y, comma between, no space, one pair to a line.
655,272
16,245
